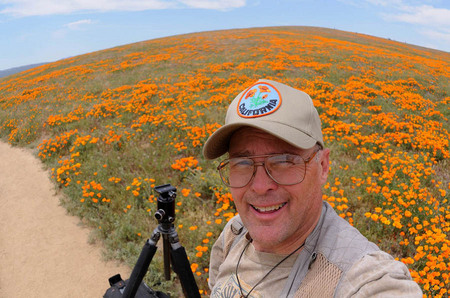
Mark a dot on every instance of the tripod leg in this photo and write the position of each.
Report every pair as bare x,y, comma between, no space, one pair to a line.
140,269
182,267
166,251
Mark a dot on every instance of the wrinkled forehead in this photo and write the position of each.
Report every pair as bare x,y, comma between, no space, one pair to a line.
253,141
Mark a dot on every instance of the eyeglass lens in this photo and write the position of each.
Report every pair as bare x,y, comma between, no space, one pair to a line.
285,169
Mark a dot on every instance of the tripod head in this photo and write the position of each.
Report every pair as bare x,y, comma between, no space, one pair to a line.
166,204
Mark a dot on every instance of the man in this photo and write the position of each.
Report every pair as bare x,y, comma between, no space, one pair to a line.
286,241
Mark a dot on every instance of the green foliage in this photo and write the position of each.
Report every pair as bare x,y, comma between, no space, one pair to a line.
111,125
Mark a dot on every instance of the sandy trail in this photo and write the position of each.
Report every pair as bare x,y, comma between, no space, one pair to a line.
43,251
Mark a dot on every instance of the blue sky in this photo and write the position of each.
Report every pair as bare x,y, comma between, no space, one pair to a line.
34,31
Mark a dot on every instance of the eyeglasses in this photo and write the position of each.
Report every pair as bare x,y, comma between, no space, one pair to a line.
284,169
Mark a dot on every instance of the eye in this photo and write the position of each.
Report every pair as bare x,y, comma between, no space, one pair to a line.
237,163
284,160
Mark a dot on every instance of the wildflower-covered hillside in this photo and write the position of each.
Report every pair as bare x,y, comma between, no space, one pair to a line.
113,124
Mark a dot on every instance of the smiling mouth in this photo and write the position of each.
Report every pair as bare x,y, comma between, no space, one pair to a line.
268,208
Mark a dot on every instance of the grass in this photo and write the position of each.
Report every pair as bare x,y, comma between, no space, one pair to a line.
112,124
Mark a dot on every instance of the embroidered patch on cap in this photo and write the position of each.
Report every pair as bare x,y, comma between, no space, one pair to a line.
259,100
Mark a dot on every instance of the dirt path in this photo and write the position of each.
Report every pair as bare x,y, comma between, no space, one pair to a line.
43,251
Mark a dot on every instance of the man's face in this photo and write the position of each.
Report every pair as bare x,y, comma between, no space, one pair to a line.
278,218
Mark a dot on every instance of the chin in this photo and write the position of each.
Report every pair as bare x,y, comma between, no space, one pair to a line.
266,237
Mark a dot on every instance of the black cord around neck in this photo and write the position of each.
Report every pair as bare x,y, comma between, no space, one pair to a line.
239,261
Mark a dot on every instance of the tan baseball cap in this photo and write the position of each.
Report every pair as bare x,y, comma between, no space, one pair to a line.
275,108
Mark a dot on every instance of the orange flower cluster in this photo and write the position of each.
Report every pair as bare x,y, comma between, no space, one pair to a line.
113,139
56,145
225,210
140,108
196,134
65,171
93,190
138,189
185,163
75,115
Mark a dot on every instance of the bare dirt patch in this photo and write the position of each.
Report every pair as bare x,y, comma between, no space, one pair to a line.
44,252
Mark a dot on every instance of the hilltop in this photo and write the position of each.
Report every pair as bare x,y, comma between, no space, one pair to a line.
13,70
112,124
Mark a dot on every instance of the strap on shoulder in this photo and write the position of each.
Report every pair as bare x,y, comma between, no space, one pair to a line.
234,231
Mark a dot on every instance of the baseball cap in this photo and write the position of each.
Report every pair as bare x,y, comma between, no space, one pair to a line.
278,109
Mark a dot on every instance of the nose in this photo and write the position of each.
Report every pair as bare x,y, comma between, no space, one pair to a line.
262,182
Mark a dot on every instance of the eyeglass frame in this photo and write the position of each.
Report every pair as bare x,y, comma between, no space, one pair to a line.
262,163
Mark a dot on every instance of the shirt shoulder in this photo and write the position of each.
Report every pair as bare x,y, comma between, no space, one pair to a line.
341,243
378,274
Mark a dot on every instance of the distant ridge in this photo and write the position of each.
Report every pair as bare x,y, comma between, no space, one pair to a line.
11,71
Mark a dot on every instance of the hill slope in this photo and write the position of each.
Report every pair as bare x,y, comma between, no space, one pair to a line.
113,124
11,71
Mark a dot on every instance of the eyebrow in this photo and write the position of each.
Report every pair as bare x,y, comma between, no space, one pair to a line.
247,153
239,154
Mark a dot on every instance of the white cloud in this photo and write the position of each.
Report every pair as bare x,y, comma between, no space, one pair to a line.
384,2
424,15
73,26
214,4
52,7
78,24
443,37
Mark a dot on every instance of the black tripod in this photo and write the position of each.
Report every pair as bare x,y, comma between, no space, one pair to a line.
173,251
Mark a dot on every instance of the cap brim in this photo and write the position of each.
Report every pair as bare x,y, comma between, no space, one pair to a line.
217,144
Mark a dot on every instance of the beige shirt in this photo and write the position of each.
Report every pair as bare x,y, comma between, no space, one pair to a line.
253,266
375,275
345,264
378,275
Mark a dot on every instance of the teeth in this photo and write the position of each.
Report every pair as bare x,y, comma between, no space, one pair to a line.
269,208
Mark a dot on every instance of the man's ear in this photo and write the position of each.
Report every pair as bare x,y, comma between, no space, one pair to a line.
324,165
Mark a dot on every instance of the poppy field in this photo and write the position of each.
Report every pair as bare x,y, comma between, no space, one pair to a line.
113,124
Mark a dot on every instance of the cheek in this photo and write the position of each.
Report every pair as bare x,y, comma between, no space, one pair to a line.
237,194
305,194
